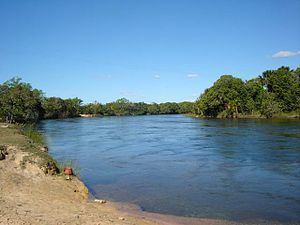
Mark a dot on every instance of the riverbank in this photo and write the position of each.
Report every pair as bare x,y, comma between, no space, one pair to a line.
89,115
291,115
31,194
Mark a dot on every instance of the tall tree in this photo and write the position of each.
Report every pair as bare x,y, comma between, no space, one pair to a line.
56,108
19,102
257,93
228,96
283,84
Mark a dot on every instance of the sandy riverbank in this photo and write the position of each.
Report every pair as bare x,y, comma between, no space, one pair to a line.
29,196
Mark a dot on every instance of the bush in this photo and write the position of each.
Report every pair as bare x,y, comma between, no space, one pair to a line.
269,106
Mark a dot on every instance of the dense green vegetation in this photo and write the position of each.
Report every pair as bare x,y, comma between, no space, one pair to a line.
123,107
57,108
20,103
273,93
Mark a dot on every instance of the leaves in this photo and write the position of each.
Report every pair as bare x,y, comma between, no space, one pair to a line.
19,102
272,92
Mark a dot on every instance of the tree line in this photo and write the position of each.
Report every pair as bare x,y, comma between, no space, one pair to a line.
20,103
123,107
273,92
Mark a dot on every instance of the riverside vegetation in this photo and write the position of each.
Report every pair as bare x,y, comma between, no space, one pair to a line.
30,197
273,93
20,103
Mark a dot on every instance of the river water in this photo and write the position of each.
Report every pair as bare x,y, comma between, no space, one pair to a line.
225,169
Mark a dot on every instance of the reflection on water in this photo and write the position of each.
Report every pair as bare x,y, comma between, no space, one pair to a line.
232,169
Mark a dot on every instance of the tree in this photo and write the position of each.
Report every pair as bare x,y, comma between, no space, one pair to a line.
121,107
186,107
72,107
283,84
57,108
269,105
256,92
228,96
19,102
54,108
169,108
272,92
92,108
153,109
139,108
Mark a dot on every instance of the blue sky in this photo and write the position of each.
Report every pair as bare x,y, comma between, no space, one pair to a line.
158,50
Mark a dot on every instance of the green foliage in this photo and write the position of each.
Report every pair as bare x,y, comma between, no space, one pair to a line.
256,92
186,107
57,108
269,105
19,102
123,107
273,92
169,108
228,95
284,84
92,108
153,109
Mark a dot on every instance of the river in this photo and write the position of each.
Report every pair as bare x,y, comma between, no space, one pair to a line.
172,164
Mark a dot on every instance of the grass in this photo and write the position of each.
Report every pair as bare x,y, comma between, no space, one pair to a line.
30,131
27,139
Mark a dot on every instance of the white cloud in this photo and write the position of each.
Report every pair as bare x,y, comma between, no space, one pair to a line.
284,54
156,76
193,75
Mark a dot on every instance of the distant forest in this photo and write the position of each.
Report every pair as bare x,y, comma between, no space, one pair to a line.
275,92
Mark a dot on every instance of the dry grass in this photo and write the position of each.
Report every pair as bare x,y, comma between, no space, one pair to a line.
14,136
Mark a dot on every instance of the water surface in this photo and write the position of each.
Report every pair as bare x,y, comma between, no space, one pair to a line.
225,169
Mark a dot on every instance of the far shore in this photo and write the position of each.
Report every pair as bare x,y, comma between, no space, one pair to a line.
240,116
89,115
250,116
